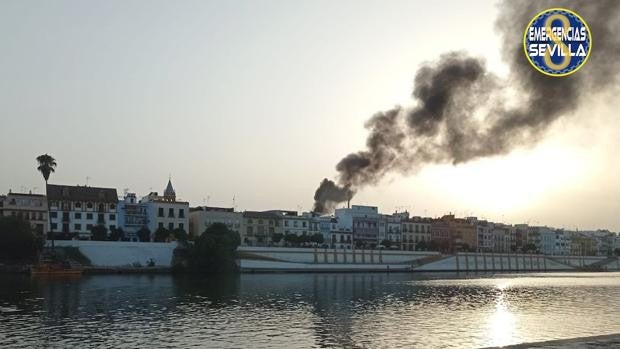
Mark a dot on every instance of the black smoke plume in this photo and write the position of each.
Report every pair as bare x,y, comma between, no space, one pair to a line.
462,111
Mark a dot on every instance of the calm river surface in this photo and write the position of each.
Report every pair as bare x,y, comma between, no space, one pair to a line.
306,310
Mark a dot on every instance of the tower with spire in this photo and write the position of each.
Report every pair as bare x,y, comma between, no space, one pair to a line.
169,193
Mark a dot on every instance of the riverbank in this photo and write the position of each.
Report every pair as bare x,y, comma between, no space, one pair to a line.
598,342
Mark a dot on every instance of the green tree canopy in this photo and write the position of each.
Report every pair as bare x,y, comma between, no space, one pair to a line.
99,233
161,235
317,238
180,235
18,241
144,234
116,234
47,165
277,237
214,251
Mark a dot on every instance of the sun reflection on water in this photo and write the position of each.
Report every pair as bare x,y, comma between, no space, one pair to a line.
502,322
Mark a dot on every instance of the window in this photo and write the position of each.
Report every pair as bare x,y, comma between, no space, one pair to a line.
112,217
112,206
89,226
78,215
303,224
286,223
53,214
89,205
77,204
112,227
250,231
161,225
77,227
89,216
160,212
54,226
170,226
181,213
181,226
171,212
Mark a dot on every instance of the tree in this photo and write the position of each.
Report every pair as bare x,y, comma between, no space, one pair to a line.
180,235
116,234
277,237
433,245
47,165
144,234
303,239
386,243
317,238
99,233
421,246
214,251
360,244
18,241
161,235
529,248
291,239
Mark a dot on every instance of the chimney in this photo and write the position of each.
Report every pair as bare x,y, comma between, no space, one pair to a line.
349,203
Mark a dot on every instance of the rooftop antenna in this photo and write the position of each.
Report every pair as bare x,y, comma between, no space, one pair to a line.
208,198
233,202
398,208
87,179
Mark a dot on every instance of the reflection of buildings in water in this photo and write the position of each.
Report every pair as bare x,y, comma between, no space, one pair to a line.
336,301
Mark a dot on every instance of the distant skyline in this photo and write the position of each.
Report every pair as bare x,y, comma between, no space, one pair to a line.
260,99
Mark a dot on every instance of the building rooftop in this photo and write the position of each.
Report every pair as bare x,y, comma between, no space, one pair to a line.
81,193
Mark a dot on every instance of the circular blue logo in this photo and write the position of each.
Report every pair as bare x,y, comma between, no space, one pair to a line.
557,42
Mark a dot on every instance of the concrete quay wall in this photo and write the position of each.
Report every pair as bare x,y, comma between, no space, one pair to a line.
122,253
258,259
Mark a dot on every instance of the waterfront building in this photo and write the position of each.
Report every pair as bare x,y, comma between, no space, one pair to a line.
502,238
543,238
363,221
75,210
132,216
521,236
292,223
441,236
485,236
463,232
201,217
165,212
393,228
258,228
30,207
416,231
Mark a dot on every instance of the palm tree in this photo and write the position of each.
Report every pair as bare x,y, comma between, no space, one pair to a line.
47,165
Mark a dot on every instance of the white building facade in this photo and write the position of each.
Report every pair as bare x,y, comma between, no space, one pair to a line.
165,211
75,210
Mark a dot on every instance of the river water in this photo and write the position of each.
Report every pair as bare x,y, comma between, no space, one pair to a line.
306,310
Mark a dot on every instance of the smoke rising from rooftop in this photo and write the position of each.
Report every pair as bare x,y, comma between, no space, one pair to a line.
462,111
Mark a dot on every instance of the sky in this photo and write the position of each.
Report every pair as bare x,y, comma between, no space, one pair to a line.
260,99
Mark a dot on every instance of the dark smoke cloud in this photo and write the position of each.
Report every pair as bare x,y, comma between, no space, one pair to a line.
461,111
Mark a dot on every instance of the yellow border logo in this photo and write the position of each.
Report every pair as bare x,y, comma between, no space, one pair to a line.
525,41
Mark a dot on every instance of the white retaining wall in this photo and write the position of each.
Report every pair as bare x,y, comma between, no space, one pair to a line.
123,253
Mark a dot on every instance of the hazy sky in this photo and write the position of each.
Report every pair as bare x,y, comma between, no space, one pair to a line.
260,99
